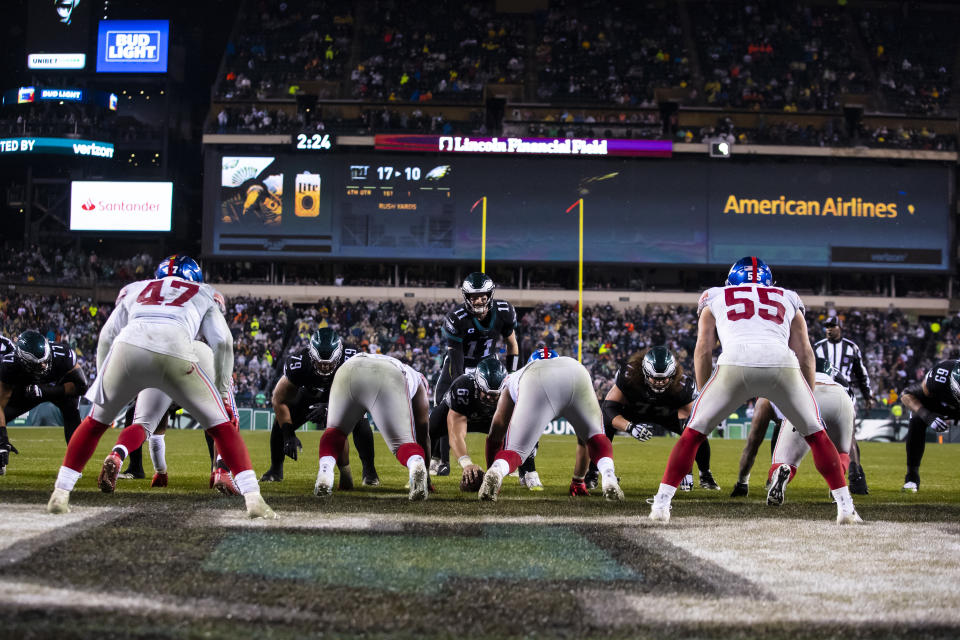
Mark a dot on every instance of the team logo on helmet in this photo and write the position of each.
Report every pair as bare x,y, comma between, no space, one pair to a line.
490,376
32,349
659,368
750,270
326,351
543,353
180,266
477,290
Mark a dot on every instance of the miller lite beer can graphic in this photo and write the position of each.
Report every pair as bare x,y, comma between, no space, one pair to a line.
307,195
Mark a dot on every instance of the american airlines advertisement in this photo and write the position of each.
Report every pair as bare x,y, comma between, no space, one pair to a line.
121,206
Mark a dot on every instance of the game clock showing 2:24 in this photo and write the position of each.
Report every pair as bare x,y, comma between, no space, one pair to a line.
313,142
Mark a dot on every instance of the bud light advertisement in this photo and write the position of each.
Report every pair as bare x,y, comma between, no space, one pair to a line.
133,46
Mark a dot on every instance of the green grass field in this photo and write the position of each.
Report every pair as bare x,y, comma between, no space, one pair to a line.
184,562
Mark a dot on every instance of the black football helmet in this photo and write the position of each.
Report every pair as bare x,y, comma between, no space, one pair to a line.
659,368
32,350
477,290
326,351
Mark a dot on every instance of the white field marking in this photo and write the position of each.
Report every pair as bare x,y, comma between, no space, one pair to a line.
879,572
21,593
20,523
394,521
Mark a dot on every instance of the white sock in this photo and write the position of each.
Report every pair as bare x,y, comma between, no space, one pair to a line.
501,465
123,449
843,498
330,462
67,478
158,453
605,465
666,492
744,479
246,482
412,461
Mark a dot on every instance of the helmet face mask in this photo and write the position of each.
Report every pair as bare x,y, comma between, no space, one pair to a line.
477,290
326,352
659,369
33,352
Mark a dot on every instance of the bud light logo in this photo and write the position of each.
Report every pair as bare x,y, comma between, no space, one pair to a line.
132,46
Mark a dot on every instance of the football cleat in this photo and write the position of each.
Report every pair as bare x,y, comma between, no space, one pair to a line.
578,488
531,480
271,476
707,482
223,482
131,476
740,490
59,501
687,483
443,469
858,484
107,480
910,487
324,484
257,507
159,480
778,486
490,489
659,508
434,466
611,488
370,479
592,479
419,482
849,517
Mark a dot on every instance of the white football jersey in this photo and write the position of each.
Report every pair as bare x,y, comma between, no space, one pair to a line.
412,377
513,379
166,316
753,323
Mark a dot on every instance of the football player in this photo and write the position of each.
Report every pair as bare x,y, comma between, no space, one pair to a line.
147,342
931,402
766,352
302,395
472,331
32,371
836,411
395,394
650,391
548,387
468,407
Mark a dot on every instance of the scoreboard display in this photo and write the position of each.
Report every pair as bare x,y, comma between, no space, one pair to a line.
407,206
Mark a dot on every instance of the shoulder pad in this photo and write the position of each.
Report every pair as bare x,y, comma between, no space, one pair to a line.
706,297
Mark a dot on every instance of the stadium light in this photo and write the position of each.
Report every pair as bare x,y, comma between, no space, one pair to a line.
720,149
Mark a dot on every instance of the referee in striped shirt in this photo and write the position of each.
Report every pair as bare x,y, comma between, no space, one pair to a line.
845,355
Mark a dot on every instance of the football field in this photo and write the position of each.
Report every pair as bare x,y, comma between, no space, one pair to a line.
185,562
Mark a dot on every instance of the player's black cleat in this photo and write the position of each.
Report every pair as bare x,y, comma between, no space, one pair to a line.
707,482
592,479
740,490
443,469
272,476
858,482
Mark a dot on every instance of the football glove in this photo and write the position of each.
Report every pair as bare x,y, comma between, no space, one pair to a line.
33,392
291,443
939,425
5,449
578,488
318,415
640,431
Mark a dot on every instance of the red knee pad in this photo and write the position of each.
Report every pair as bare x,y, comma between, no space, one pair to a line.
407,451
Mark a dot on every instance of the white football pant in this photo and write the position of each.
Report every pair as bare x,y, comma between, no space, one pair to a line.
152,404
836,410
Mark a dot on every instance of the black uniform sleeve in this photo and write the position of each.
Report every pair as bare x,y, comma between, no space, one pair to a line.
508,316
459,395
294,369
688,390
78,379
455,360
915,390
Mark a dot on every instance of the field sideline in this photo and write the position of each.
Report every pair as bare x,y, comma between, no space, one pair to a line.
184,562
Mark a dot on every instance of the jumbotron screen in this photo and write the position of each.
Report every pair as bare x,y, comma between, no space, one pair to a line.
677,211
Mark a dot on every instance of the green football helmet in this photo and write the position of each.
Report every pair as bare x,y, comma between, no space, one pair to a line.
477,290
659,368
490,376
326,351
32,349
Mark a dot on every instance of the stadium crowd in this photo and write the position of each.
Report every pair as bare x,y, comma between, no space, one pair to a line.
896,348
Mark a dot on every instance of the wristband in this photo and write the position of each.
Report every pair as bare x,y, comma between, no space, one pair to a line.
513,362
464,461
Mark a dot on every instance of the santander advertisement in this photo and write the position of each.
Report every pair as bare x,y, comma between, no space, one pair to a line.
121,206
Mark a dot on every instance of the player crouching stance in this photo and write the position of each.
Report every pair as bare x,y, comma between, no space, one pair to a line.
766,352
395,394
548,387
147,342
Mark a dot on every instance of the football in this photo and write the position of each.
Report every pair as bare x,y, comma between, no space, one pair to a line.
471,479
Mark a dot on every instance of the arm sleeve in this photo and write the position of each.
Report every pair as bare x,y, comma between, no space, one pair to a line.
455,360
75,376
915,390
509,322
217,334
611,410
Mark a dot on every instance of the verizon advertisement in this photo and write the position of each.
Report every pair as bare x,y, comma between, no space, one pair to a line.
121,206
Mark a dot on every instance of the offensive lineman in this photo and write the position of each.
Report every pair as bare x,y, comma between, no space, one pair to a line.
395,394
931,402
32,371
548,387
652,390
471,331
303,395
766,353
468,407
836,411
147,342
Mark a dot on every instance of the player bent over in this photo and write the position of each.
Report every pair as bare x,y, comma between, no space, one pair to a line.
147,342
836,411
395,394
766,352
932,402
548,387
